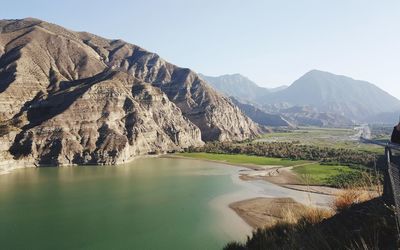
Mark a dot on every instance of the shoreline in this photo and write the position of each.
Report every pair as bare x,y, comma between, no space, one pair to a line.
261,212
250,202
248,166
258,172
25,164
4,172
251,207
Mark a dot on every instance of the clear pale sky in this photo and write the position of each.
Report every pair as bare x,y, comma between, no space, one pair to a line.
271,42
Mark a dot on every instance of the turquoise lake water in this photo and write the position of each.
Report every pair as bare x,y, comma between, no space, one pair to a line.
152,203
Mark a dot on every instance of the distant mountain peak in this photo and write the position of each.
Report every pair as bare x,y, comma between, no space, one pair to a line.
318,71
236,85
339,94
228,77
326,76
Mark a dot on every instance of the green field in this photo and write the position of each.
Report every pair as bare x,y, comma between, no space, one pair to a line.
244,159
311,173
323,137
317,174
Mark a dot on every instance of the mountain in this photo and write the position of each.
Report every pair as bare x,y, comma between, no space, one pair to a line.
237,86
255,102
385,118
76,98
276,89
309,116
336,94
260,116
330,97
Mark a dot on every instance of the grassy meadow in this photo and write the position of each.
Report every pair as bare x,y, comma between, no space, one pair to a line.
319,174
311,173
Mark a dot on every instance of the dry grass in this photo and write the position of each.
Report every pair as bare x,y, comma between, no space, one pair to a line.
367,189
315,215
310,215
349,197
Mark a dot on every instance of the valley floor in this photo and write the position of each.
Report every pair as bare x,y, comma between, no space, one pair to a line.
276,170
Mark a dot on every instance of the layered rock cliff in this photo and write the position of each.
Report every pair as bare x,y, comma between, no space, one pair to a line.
76,98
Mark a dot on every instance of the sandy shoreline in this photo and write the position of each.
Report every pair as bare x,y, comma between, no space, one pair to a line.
3,172
271,192
279,175
259,203
262,212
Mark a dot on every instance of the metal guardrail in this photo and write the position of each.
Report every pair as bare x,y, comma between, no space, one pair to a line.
391,188
391,175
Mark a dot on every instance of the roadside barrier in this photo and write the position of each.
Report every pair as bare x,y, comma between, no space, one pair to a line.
391,177
391,188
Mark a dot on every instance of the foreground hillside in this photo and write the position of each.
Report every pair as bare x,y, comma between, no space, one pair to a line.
368,225
76,98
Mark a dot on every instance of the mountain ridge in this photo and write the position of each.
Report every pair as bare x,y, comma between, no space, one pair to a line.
225,84
76,98
328,93
262,117
333,93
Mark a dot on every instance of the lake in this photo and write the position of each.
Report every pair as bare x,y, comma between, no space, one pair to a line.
151,203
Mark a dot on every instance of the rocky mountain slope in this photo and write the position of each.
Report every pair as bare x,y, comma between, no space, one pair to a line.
321,98
254,101
337,94
237,86
260,116
308,116
76,98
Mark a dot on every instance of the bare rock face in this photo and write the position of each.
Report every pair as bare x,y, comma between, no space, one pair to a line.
76,98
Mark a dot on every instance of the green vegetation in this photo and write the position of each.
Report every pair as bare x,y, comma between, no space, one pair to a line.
292,151
311,173
336,157
309,134
324,137
318,174
244,159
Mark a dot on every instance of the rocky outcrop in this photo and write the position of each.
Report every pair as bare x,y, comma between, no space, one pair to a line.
76,98
260,116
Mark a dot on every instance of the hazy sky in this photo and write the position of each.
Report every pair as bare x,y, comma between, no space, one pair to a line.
271,42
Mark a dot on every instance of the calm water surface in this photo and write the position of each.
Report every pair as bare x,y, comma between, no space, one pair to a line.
153,203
